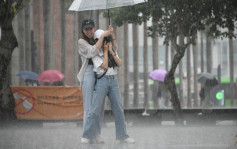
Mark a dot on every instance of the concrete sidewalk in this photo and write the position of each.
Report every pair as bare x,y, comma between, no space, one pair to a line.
147,136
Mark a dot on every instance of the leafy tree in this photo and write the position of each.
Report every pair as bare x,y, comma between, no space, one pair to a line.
8,42
181,19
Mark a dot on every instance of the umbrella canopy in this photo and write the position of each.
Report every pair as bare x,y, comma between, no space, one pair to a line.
207,78
212,82
28,75
158,75
49,76
82,5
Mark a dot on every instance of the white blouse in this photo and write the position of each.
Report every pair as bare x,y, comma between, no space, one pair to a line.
98,60
86,51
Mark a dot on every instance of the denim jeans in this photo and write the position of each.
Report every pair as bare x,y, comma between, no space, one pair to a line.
107,85
88,84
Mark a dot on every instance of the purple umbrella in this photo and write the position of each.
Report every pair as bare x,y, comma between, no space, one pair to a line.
158,75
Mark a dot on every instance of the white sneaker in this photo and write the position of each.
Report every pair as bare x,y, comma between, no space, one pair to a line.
129,140
85,141
99,139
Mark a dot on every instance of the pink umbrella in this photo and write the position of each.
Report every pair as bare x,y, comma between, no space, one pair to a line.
158,75
50,76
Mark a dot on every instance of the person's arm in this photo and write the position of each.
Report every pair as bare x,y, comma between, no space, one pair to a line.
100,40
89,51
104,65
116,58
86,50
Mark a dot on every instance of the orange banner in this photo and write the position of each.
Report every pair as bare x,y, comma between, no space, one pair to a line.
48,102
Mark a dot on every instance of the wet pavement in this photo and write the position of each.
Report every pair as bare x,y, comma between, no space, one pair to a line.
63,135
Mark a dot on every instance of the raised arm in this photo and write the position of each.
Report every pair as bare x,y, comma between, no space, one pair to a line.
86,50
100,40
104,65
89,51
116,58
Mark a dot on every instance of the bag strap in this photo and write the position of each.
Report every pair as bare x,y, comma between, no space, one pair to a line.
99,77
102,74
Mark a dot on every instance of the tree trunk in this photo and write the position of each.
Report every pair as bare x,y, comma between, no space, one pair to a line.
81,17
170,82
145,66
181,91
167,53
135,66
231,62
8,43
126,66
75,48
14,68
189,98
208,53
63,38
27,38
47,34
195,84
202,53
173,52
36,33
21,42
120,42
155,57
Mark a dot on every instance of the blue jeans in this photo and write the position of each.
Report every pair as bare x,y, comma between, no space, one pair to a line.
107,85
88,84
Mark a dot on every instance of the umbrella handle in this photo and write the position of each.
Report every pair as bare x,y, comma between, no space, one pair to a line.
108,16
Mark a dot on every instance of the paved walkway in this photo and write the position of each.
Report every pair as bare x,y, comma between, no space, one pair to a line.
147,136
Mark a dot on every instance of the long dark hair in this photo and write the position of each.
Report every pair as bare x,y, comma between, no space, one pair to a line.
90,41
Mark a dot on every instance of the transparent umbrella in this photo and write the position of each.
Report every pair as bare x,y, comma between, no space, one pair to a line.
82,5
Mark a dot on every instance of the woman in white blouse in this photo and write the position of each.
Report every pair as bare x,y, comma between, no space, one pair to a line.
88,49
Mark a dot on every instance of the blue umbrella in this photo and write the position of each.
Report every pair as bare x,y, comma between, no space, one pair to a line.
28,75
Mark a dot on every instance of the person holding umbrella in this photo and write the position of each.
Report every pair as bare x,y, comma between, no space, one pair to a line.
88,49
208,81
205,92
106,85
